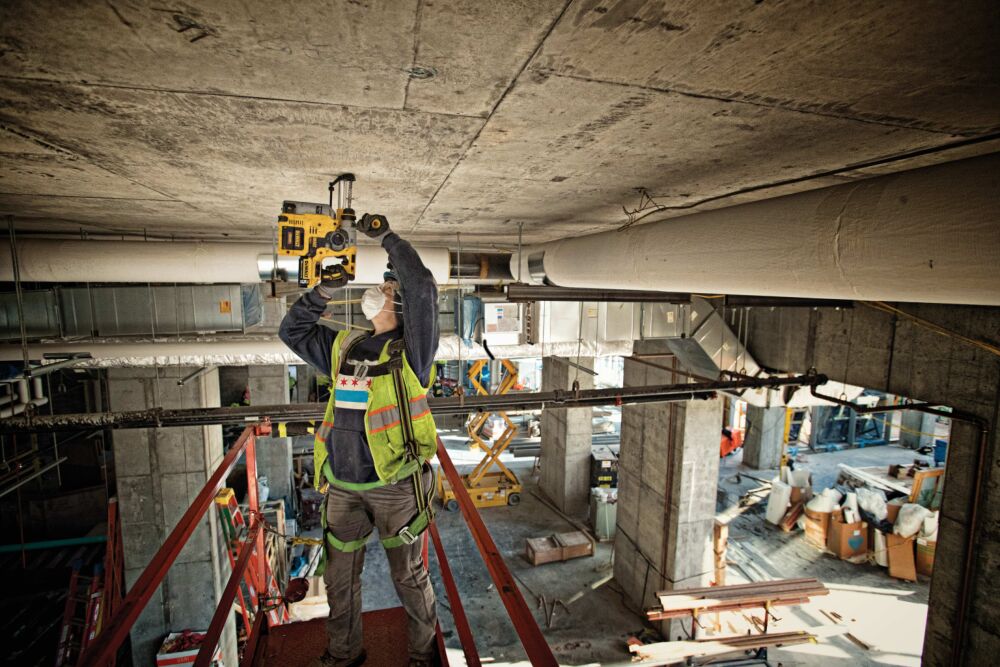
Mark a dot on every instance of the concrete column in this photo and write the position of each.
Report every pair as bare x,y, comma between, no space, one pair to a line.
159,472
567,435
918,429
667,481
764,437
269,386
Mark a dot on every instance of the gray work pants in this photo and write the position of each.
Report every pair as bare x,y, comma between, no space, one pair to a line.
351,515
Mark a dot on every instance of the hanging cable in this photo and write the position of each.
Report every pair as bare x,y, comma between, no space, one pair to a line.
936,328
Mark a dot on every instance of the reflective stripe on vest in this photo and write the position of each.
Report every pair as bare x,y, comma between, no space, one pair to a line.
387,417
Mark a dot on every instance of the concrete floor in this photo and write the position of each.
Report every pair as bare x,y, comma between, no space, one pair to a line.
882,612
885,613
594,630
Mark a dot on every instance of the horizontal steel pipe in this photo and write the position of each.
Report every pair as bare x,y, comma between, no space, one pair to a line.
297,412
523,293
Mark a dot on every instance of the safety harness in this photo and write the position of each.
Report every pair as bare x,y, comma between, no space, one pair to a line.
412,466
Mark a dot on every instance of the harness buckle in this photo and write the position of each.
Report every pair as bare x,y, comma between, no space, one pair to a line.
406,536
361,371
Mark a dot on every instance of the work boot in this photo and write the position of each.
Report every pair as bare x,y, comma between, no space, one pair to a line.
327,660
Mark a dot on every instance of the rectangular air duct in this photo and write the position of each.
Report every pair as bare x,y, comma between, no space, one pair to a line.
132,310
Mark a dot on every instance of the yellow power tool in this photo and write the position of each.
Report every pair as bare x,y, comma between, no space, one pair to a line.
316,232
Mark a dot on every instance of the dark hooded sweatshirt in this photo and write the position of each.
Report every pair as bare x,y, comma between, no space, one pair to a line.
347,444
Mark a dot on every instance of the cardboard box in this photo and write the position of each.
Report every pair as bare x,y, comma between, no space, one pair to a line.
925,556
847,541
801,494
902,564
817,525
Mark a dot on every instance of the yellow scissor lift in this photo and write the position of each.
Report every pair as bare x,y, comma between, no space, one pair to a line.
488,489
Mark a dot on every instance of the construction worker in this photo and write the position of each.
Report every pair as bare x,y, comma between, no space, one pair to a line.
372,449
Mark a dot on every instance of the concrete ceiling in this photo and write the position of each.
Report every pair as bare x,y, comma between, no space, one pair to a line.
198,119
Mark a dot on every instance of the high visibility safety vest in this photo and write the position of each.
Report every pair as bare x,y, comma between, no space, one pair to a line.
394,460
382,421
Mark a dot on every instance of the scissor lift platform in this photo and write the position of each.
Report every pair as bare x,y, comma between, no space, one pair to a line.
488,489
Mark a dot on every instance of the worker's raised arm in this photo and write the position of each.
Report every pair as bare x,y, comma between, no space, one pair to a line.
301,331
419,296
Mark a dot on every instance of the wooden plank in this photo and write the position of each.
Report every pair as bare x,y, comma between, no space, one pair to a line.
540,550
791,516
737,587
874,478
684,598
663,614
678,651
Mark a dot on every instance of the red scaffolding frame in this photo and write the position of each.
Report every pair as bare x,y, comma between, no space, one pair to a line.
102,651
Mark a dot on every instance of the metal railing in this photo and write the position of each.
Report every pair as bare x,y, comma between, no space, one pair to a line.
104,648
102,651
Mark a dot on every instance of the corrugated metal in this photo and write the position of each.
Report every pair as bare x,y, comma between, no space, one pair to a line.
40,315
160,310
131,310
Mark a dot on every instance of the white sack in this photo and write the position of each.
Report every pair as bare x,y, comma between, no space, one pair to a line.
800,477
873,502
821,503
778,502
910,520
929,529
834,494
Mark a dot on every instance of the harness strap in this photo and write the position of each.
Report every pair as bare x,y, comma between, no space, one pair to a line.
405,470
347,547
425,510
411,533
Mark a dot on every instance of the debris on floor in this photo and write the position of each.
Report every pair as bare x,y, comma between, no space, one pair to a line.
886,515
681,651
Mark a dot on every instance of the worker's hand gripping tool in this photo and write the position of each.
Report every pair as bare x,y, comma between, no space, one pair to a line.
315,232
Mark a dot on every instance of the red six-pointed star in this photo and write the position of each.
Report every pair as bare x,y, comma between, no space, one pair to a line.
368,384
354,382
343,382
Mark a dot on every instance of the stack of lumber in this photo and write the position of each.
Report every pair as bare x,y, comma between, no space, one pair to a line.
692,601
681,651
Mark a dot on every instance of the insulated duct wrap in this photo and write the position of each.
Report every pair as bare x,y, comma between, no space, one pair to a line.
928,235
183,262
264,351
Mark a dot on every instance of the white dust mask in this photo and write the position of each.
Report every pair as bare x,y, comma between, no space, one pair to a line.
372,302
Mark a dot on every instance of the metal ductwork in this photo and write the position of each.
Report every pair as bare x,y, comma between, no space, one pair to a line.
928,235
130,310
